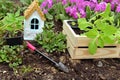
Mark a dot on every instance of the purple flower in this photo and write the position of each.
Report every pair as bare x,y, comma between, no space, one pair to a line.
116,1
90,4
43,5
108,1
75,15
67,9
113,6
82,13
73,1
45,11
64,2
100,7
95,1
118,8
49,3
73,10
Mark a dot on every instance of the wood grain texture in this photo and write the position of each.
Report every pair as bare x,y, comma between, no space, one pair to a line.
83,53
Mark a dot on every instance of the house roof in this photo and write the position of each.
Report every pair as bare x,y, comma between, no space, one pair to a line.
34,6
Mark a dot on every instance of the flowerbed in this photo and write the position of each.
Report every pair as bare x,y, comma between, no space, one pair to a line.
23,64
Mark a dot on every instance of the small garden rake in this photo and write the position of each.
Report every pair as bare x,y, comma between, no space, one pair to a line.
59,65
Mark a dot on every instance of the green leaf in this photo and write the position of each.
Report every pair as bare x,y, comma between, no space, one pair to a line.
1,60
109,30
41,1
17,13
3,56
83,24
99,24
92,33
62,17
92,47
100,42
107,39
106,13
88,12
49,16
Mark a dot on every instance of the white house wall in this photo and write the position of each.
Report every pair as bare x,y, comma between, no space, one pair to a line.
30,34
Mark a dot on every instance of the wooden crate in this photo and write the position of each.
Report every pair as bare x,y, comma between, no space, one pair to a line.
78,46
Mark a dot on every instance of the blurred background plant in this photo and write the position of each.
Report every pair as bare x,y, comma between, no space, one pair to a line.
51,41
54,9
7,6
12,23
11,55
26,3
61,9
23,70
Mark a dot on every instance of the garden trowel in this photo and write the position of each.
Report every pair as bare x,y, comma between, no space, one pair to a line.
59,65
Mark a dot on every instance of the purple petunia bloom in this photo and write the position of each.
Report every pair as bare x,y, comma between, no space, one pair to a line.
90,4
118,8
112,5
49,3
73,1
73,10
82,13
75,7
95,1
67,9
45,11
64,2
116,1
108,1
101,7
43,5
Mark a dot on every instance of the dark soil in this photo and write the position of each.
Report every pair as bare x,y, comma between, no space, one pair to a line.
42,69
75,27
58,26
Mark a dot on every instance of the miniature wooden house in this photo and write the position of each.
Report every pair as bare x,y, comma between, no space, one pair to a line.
34,21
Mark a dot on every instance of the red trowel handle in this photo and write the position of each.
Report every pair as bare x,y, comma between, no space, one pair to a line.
30,46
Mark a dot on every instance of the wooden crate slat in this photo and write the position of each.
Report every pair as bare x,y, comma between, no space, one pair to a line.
101,53
75,39
82,53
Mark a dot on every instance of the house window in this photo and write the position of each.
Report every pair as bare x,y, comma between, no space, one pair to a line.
34,23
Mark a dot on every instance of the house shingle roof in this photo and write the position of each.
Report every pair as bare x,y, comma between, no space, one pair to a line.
34,6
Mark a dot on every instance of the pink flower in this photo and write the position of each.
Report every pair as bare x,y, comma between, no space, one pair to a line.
67,9
49,3
73,1
95,1
82,13
118,8
113,6
64,2
90,4
100,7
45,11
73,10
108,1
43,5
75,15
